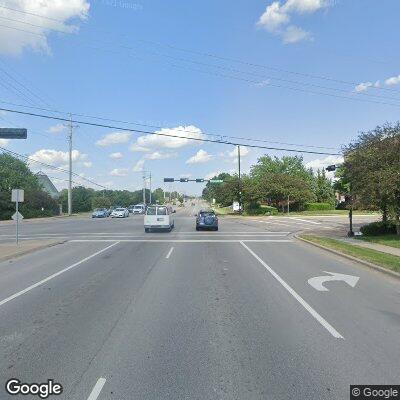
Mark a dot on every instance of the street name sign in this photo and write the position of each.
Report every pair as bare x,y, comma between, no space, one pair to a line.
13,133
17,196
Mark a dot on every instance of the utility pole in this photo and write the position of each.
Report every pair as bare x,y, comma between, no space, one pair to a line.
70,167
240,183
144,188
150,187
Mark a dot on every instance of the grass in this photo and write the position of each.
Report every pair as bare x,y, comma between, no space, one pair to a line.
222,210
332,212
388,261
387,240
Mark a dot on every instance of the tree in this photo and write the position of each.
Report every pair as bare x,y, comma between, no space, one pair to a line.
323,188
15,174
372,167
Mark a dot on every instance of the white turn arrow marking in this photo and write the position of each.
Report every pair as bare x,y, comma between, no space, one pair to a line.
318,281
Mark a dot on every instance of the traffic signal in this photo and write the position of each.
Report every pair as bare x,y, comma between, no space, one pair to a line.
169,180
331,168
200,180
184,180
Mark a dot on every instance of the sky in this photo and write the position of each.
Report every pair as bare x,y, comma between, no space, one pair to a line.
311,74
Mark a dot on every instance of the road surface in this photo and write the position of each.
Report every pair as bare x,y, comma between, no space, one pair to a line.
114,313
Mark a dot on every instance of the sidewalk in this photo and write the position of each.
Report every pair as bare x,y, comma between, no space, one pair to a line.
374,246
12,250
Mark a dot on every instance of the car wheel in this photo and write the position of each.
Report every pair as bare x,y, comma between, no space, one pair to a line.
197,228
147,230
216,228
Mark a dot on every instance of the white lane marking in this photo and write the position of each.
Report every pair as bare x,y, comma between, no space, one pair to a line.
170,252
126,235
29,288
97,389
314,313
181,240
304,220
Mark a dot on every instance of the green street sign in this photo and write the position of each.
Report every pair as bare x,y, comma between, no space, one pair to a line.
216,181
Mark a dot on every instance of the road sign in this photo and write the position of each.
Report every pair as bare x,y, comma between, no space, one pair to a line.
13,133
17,195
169,180
216,181
318,281
17,215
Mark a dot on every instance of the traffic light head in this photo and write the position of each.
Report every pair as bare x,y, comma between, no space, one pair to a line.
199,180
184,180
169,180
331,168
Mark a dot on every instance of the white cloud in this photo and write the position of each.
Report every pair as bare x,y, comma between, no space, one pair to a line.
14,39
57,128
119,172
114,138
200,157
139,165
88,164
363,86
116,156
182,138
135,147
263,83
394,80
277,17
159,155
4,142
273,17
55,157
294,34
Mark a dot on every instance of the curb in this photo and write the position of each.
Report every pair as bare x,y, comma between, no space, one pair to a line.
28,251
368,264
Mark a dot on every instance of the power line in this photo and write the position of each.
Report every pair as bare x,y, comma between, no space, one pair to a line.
30,159
165,134
214,135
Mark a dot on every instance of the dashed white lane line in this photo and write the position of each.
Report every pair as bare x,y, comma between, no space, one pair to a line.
311,310
29,288
181,240
97,389
169,253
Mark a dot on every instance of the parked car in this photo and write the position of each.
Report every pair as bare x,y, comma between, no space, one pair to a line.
120,212
100,213
139,209
206,219
159,217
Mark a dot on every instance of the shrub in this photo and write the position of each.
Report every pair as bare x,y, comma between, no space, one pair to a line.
378,228
269,210
318,206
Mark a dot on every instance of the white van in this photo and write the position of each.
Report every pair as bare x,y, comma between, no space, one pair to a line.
159,217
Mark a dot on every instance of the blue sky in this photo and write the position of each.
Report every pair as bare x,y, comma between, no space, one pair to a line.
171,65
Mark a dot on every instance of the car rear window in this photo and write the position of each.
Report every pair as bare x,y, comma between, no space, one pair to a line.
162,211
151,211
206,214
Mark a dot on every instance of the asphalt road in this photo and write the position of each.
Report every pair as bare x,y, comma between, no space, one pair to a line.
114,313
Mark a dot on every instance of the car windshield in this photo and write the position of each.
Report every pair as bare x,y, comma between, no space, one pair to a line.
151,211
161,210
138,207
120,209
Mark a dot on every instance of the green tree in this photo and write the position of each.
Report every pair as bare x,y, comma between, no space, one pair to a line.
15,174
324,191
372,168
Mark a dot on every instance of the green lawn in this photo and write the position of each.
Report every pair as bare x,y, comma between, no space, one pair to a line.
331,212
376,257
388,240
222,210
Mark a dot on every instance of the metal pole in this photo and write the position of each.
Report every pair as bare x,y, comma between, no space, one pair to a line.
17,219
150,187
144,188
70,168
240,182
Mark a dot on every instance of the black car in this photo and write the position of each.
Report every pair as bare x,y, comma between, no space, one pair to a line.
206,219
